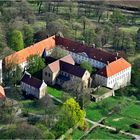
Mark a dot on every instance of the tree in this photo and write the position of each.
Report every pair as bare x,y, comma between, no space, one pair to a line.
89,36
15,40
58,54
28,35
117,17
73,113
76,26
12,74
71,116
129,45
35,63
76,90
40,35
138,39
86,65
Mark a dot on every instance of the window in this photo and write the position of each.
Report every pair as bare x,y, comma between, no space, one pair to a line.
49,74
46,73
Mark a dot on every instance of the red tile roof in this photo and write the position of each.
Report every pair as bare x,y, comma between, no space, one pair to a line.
55,66
114,68
37,48
78,47
2,93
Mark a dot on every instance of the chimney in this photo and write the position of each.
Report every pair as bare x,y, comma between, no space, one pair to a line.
117,54
116,58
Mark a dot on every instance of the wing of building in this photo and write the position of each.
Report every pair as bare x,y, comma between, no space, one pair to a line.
64,70
21,56
33,86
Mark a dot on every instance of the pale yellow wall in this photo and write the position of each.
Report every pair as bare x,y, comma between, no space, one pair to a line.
86,78
52,77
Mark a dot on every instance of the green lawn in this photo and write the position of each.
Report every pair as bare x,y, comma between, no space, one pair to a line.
58,93
128,116
31,106
131,29
79,133
101,133
95,111
55,92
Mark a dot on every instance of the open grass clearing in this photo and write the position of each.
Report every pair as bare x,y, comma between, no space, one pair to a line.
95,111
129,115
101,133
131,29
78,133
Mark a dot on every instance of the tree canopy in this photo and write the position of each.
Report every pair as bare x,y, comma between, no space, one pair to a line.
71,116
35,64
86,65
15,40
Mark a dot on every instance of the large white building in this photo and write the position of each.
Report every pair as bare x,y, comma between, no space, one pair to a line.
113,71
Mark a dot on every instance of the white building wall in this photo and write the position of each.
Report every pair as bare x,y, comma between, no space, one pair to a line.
0,71
78,57
30,90
116,81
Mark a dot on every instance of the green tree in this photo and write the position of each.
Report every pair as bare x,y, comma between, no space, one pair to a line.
86,65
58,54
35,64
76,26
117,17
129,45
15,40
73,113
12,74
28,35
138,39
71,116
89,36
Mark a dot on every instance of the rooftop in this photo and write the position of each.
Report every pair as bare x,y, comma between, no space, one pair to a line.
114,67
37,48
34,82
78,47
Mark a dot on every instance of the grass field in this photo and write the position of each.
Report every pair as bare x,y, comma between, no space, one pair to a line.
95,111
55,92
31,106
131,29
128,116
101,133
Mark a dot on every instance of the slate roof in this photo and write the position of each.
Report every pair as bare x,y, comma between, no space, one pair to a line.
78,47
72,69
30,80
114,67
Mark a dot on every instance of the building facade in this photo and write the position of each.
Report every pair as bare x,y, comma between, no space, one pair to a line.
32,86
65,70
